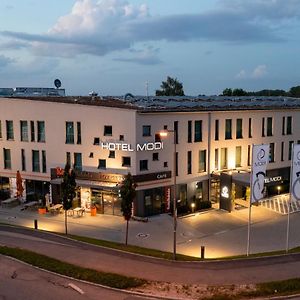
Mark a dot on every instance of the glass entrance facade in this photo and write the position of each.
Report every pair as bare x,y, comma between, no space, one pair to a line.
106,202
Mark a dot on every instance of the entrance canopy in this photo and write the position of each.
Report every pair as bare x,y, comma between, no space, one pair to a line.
241,178
89,183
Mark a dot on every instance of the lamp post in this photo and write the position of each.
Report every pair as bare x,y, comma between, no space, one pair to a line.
164,133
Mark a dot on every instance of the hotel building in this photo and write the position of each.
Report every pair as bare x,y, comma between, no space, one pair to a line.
105,138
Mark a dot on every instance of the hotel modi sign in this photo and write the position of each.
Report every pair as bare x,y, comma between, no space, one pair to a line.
130,148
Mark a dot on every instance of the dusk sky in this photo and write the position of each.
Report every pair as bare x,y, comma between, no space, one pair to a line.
114,47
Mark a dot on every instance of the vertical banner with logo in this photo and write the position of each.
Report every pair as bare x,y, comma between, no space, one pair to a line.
260,159
295,174
294,186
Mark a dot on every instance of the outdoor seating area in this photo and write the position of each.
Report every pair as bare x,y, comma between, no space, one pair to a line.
78,211
11,202
56,209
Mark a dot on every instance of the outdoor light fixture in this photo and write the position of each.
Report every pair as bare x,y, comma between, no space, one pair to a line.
278,189
165,133
193,207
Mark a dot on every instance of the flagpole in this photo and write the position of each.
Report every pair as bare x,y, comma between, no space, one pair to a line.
249,227
288,227
289,204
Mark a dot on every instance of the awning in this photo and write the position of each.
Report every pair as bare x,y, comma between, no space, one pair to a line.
241,178
90,184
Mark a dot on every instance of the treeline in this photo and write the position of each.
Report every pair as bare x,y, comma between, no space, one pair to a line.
293,92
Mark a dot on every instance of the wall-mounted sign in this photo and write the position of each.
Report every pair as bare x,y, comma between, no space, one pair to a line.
130,148
225,192
273,179
152,176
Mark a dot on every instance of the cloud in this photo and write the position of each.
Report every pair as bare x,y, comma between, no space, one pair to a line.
102,27
259,72
147,56
5,61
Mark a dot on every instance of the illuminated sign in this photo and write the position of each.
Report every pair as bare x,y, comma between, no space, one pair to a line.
225,192
273,179
128,147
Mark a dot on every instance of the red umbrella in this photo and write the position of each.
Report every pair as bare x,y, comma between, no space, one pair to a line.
20,188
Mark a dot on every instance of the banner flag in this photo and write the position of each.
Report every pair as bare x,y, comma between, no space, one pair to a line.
260,159
295,174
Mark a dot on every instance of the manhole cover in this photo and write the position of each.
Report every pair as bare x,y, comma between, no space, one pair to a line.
142,235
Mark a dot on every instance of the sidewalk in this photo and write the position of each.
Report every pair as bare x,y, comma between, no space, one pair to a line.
222,233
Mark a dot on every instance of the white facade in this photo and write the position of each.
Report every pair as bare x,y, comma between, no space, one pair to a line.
127,123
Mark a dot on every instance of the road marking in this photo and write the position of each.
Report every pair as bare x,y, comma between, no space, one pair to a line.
76,288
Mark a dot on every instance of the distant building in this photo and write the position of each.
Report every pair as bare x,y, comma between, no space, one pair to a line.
31,92
105,138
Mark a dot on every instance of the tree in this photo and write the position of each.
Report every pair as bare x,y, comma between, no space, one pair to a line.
170,87
20,189
295,91
227,92
68,189
239,92
127,192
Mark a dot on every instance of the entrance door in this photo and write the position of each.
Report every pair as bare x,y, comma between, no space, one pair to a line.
111,203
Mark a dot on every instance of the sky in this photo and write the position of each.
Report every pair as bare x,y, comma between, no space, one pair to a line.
114,47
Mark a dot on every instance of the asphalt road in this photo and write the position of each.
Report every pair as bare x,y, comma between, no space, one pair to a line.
19,281
216,272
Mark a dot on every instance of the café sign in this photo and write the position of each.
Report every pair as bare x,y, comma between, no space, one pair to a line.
130,148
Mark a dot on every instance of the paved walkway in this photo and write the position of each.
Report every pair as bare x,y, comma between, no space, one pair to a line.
217,273
222,233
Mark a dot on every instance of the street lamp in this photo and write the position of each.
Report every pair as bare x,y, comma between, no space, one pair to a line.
164,133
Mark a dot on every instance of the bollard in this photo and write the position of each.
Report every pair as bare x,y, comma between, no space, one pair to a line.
202,252
35,224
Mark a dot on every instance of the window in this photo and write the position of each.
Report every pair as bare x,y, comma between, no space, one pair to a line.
198,131
223,158
239,128
41,131
91,155
189,131
157,137
32,131
78,133
282,151
112,154
228,127
269,126
24,131
202,161
189,162
108,130
143,165
9,130
155,156
44,165
146,130
78,161
126,161
23,160
291,143
96,141
289,125
263,127
283,126
7,158
121,137
176,131
102,164
35,161
165,164
249,156
176,163
272,153
216,159
216,130
165,127
0,130
250,128
238,156
69,133
68,158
